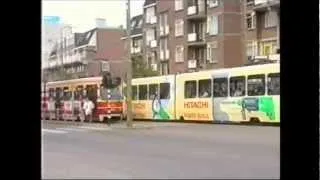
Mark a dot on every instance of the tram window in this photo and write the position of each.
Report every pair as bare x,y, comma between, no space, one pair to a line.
153,91
78,93
143,92
51,93
67,94
58,93
190,89
220,87
256,85
205,88
274,84
134,93
237,86
92,92
164,90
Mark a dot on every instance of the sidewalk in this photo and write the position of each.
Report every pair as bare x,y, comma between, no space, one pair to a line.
118,125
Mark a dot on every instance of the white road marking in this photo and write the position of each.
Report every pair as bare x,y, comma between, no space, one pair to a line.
94,128
53,131
72,129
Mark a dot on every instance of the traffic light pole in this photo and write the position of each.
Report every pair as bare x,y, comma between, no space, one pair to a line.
129,69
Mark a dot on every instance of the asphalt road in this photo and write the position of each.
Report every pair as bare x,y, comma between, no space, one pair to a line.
186,151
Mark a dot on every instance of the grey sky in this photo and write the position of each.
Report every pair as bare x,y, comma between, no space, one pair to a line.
81,14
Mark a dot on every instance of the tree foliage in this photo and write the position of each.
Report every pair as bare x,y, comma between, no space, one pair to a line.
140,68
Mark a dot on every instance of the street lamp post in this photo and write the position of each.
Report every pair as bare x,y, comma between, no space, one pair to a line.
129,69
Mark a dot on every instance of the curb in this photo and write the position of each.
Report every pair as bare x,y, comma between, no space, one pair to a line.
99,126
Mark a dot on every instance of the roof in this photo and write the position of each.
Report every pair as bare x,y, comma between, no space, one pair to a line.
83,38
136,25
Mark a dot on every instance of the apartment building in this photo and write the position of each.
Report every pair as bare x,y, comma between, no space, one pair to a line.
263,28
192,35
136,36
80,55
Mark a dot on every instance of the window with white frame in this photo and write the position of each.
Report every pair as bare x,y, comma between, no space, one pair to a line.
162,48
212,52
139,24
163,22
178,4
150,35
150,13
252,49
164,68
179,27
212,25
213,3
270,19
251,21
179,53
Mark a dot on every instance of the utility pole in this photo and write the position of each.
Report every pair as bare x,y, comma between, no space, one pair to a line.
244,30
129,69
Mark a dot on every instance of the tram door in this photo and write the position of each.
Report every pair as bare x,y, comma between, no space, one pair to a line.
92,94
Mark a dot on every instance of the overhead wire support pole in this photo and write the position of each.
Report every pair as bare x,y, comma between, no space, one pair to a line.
129,69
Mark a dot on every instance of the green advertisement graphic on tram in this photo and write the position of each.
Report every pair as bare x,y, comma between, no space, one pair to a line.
261,104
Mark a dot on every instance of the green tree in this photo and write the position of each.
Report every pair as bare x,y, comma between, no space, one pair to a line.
140,68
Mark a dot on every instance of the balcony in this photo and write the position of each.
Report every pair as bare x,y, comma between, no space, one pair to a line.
265,5
164,30
151,20
196,12
196,39
135,50
153,43
161,55
192,63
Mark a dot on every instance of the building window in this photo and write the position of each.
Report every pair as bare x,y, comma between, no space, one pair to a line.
135,43
212,52
163,21
150,35
252,50
179,54
150,13
151,56
251,21
212,25
179,27
164,68
268,47
178,4
270,19
213,3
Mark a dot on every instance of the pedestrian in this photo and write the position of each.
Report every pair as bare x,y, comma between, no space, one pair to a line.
88,107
